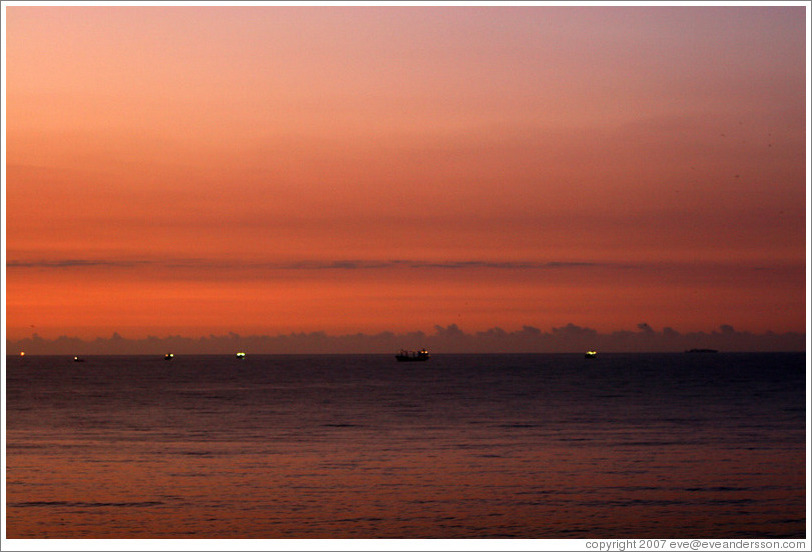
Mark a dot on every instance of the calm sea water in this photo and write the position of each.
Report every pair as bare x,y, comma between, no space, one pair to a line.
496,446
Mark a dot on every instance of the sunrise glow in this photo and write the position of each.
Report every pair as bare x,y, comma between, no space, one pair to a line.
278,169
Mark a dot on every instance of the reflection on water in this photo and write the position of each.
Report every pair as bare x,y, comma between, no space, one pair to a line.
500,446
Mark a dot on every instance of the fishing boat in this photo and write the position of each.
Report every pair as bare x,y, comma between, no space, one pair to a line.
412,356
78,359
590,354
240,355
169,356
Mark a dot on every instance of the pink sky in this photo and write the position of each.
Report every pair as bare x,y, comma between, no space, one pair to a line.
266,169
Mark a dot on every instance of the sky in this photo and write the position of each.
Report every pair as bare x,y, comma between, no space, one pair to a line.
197,170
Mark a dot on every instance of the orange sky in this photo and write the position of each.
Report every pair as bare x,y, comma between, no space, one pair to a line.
195,170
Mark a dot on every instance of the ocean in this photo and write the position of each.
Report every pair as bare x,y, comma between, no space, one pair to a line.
361,446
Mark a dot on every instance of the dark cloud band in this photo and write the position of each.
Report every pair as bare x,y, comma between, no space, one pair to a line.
305,265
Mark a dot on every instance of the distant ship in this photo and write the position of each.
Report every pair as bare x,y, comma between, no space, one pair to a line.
78,359
590,354
412,356
701,351
169,356
240,356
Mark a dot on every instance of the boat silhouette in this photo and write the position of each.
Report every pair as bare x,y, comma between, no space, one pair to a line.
412,356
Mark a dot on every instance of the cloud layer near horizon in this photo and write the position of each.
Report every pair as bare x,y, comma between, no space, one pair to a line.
445,339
